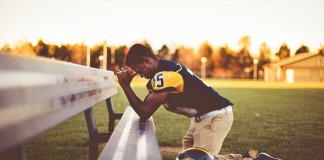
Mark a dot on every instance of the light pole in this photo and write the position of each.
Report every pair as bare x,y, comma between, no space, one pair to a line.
112,59
104,53
203,67
255,68
88,55
101,57
112,54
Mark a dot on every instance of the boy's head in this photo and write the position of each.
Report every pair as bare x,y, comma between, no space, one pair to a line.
142,60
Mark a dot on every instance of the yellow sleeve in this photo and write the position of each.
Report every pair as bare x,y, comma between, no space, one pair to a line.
167,81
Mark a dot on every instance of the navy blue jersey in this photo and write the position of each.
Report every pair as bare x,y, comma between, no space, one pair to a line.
185,89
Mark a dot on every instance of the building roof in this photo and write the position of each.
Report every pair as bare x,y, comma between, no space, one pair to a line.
290,60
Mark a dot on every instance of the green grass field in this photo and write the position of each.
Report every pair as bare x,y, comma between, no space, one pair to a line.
286,120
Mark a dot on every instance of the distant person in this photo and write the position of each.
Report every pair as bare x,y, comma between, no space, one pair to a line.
180,91
201,154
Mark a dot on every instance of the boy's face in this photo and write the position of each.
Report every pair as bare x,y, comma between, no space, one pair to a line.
145,68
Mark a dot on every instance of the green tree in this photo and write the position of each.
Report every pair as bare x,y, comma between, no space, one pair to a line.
264,55
163,52
78,53
226,57
51,50
186,57
5,48
321,50
41,49
23,48
302,49
175,56
109,64
120,55
284,51
206,50
95,51
63,53
226,64
245,42
146,43
244,58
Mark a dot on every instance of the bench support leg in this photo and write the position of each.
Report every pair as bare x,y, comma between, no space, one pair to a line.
94,137
111,122
92,130
112,115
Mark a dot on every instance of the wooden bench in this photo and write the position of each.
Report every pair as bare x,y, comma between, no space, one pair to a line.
132,140
37,94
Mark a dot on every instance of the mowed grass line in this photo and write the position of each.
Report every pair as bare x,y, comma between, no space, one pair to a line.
288,123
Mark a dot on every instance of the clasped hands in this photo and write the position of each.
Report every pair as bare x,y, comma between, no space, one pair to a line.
125,76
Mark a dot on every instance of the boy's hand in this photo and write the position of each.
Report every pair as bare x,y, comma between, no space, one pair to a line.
125,76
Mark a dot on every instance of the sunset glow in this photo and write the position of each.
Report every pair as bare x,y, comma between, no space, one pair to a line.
174,23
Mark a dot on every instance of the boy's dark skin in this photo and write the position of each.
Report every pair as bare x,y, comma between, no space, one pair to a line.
147,69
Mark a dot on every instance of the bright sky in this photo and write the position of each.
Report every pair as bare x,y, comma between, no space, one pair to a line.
171,22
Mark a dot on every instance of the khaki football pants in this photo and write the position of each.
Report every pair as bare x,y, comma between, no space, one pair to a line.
209,133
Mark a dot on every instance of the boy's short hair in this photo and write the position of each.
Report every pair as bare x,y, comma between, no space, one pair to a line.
136,54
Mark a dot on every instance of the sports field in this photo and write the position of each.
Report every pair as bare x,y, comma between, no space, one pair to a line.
286,120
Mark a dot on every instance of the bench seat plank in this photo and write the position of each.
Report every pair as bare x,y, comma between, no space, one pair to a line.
132,140
37,94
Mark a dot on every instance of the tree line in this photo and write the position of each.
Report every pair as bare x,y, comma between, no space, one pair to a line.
221,62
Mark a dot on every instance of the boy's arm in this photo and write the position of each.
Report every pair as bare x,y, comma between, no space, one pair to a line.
145,108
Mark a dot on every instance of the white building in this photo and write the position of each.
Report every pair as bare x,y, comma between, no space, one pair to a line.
304,67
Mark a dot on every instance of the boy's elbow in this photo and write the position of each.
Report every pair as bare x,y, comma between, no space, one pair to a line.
145,115
143,119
